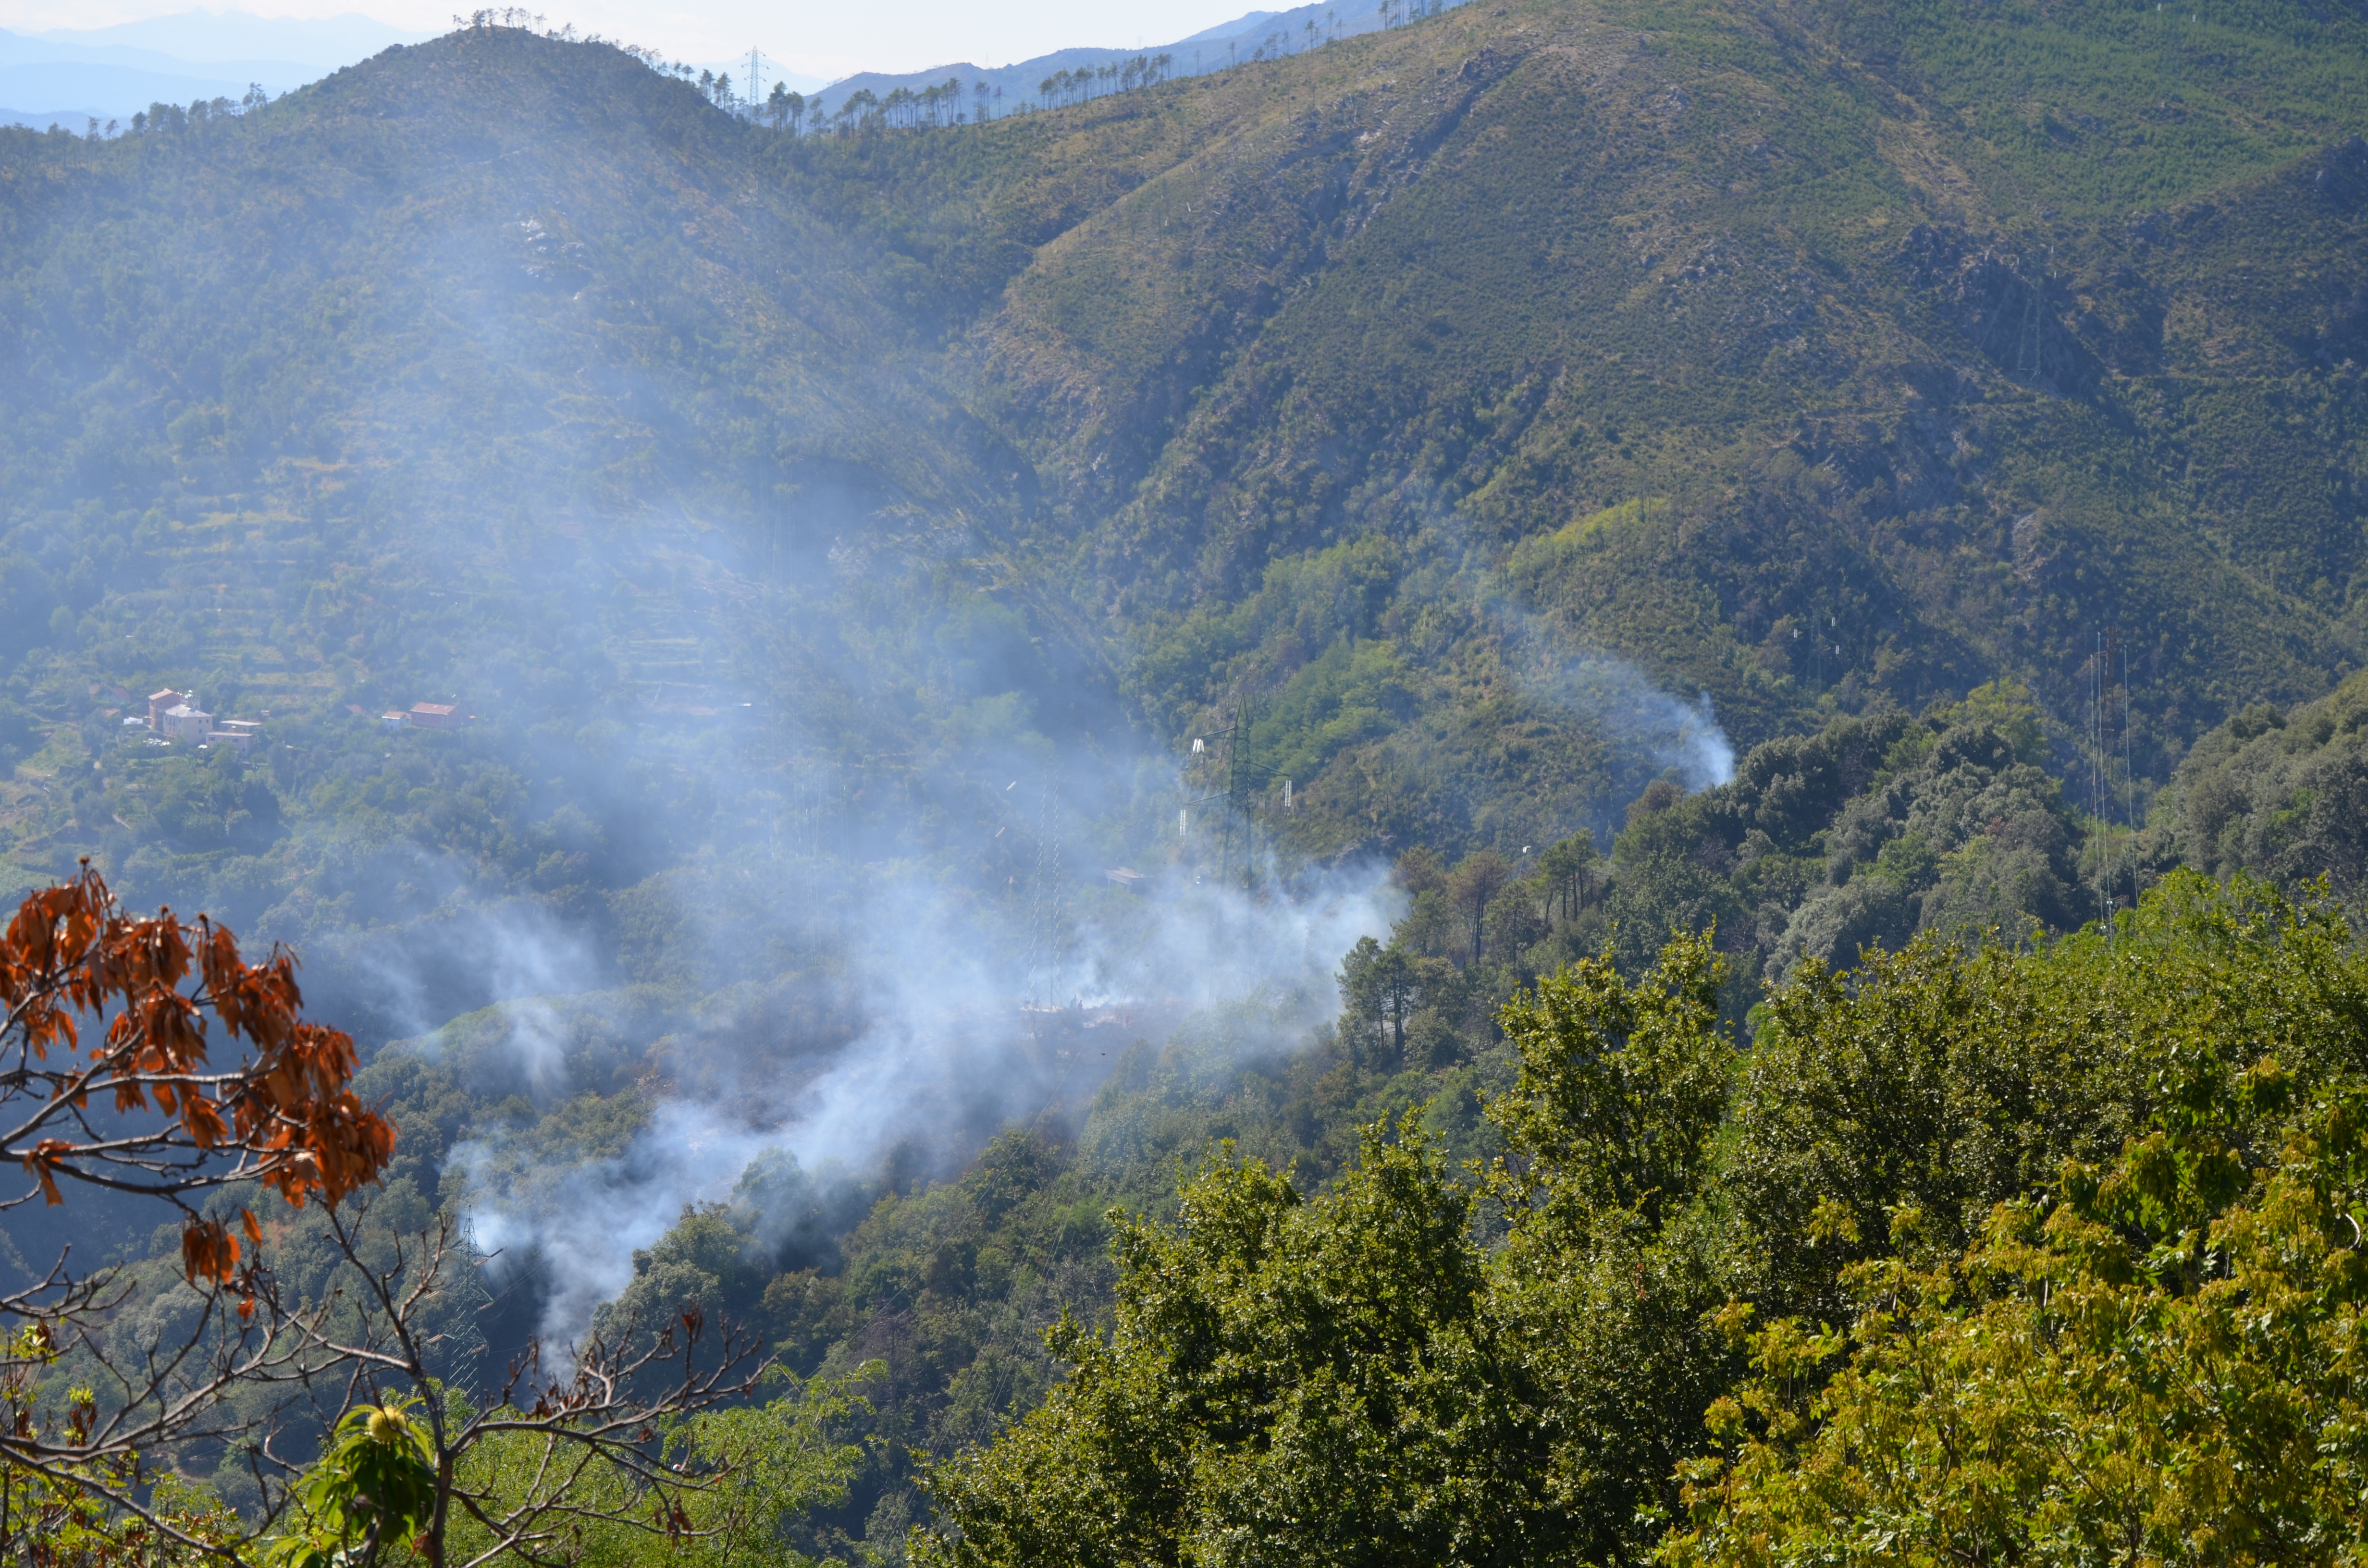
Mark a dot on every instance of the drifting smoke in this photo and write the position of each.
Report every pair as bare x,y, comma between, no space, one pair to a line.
1639,718
925,1052
860,1006
737,840
1646,730
864,968
865,954
514,953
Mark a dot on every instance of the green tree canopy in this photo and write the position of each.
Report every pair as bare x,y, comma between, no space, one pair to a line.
2087,1209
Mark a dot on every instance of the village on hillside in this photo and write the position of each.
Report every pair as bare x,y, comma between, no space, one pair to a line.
176,716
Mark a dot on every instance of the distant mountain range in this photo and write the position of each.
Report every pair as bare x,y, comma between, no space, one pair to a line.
1256,35
70,76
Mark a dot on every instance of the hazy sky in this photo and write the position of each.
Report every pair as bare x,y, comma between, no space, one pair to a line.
826,40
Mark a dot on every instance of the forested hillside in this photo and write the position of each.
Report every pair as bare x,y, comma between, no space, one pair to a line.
1963,392
1901,396
988,660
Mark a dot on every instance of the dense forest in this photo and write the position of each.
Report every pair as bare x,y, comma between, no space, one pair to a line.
1576,782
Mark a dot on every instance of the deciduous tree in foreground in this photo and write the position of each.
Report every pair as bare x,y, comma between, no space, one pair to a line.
145,1056
148,1059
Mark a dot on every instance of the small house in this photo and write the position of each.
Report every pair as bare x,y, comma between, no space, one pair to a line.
238,734
437,716
185,722
159,701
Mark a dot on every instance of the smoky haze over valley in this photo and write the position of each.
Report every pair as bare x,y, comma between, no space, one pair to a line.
789,860
872,685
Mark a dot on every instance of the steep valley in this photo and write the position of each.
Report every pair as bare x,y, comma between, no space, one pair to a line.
967,628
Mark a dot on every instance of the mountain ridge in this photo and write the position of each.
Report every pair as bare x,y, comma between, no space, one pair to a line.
1254,34
1704,272
1828,360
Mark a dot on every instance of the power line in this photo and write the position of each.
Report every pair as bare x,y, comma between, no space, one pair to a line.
1039,939
1244,774
2129,776
2096,774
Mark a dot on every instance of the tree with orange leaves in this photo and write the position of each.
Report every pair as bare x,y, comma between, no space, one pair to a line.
146,1056
282,1114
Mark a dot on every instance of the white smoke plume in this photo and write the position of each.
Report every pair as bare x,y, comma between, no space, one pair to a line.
1648,730
948,1050
857,967
1640,718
